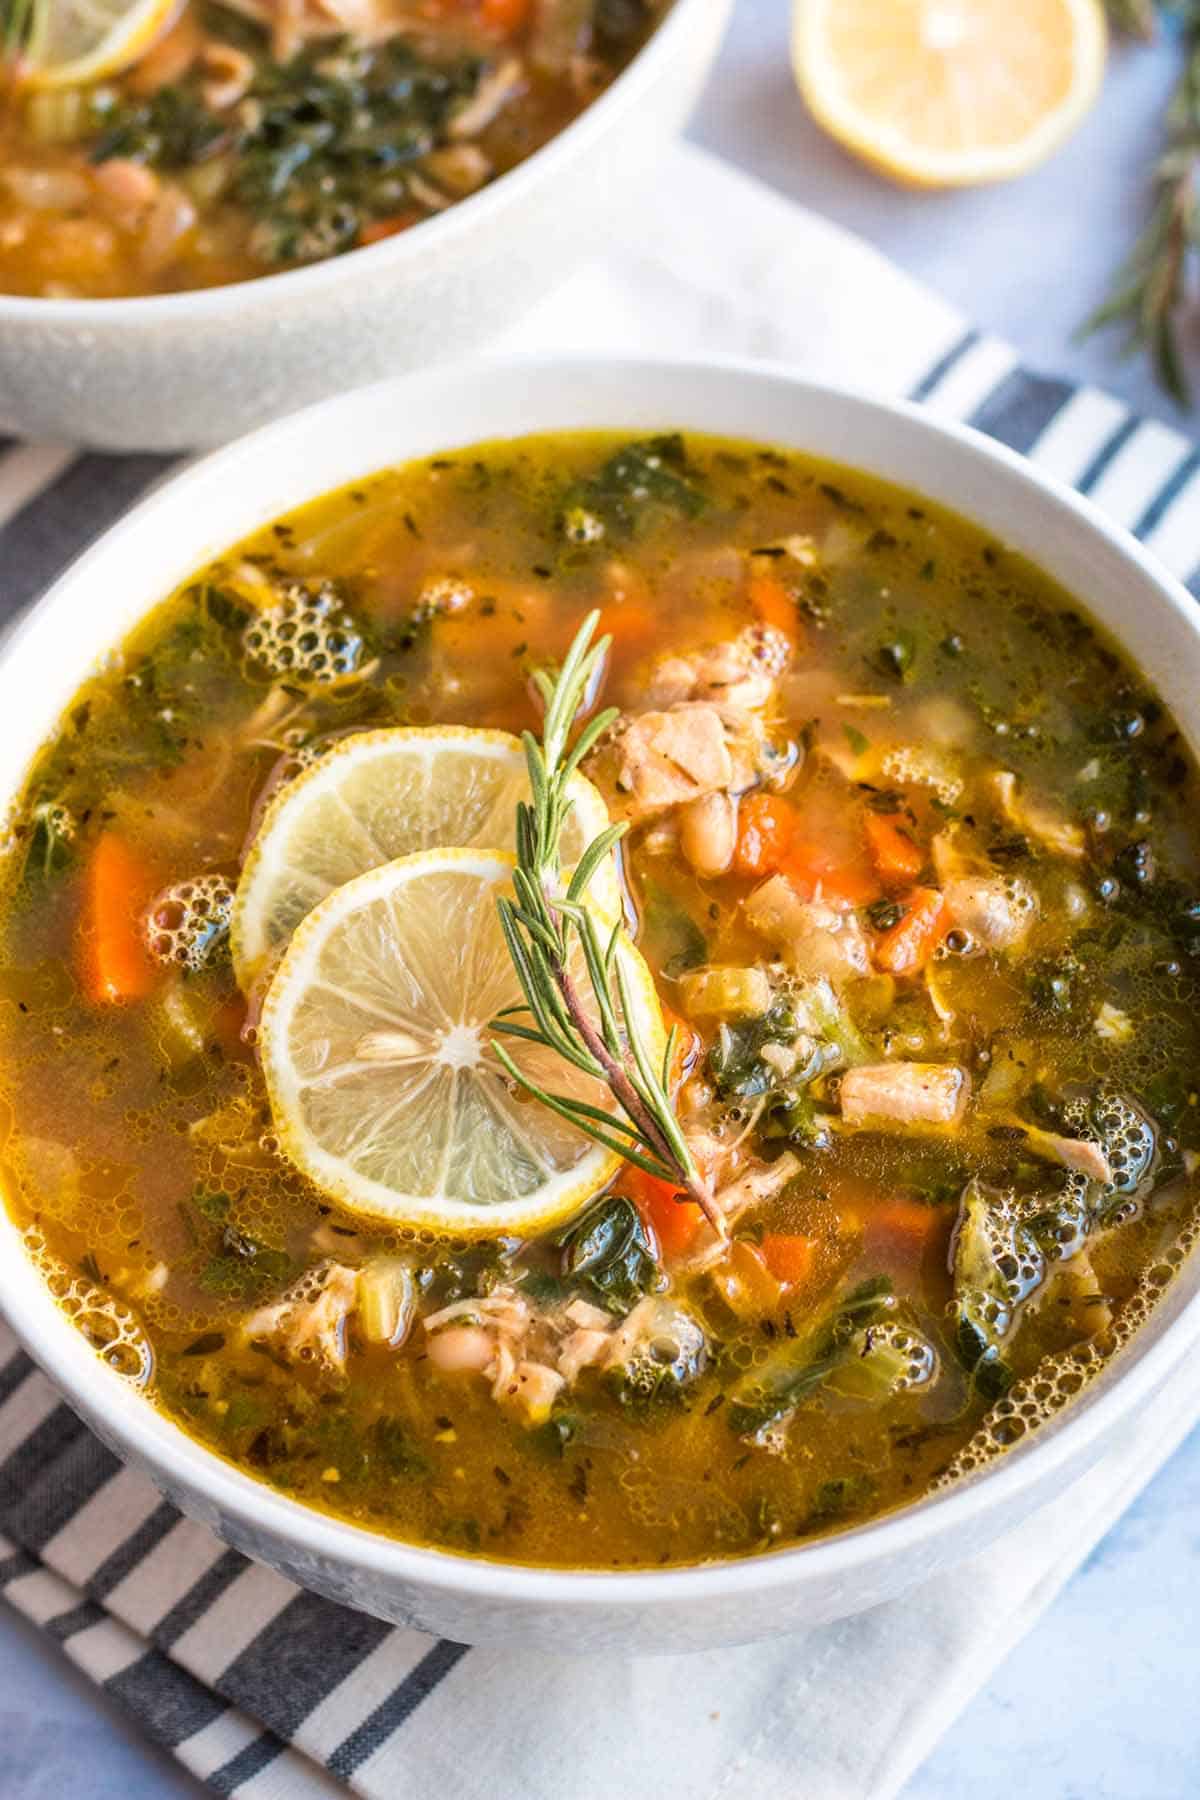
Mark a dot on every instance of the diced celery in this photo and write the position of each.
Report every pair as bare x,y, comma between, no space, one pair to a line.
182,1019
819,1012
207,181
725,993
386,1300
58,115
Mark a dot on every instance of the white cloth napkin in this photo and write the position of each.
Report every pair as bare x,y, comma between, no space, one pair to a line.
265,1692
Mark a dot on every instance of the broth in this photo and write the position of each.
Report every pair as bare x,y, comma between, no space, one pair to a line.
938,1008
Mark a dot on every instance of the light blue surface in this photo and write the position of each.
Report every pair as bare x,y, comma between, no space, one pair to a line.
1099,1702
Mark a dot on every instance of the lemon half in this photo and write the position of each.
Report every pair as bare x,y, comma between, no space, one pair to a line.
946,93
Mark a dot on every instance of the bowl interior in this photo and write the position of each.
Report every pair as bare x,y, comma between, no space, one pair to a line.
230,494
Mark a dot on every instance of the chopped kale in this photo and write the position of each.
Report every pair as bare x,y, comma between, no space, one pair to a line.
641,482
320,144
998,1263
242,1268
227,1262
49,842
664,1360
390,1446
885,915
169,129
768,1394
837,1499
609,1255
673,941
895,656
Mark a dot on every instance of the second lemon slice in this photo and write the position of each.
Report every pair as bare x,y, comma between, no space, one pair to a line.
376,1045
382,794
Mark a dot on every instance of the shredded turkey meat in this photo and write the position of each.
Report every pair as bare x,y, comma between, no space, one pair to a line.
995,914
904,1093
293,23
309,1317
1036,820
742,672
667,759
815,939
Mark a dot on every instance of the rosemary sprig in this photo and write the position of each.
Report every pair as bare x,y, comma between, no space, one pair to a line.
1154,285
548,918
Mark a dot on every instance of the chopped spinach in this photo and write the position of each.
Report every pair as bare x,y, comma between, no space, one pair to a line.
242,1268
735,1063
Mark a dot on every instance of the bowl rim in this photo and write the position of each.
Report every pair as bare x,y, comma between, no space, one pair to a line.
196,306
124,1416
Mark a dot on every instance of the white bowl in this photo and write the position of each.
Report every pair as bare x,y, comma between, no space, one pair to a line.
232,493
184,371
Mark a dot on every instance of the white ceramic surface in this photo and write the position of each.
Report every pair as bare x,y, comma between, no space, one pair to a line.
241,488
181,371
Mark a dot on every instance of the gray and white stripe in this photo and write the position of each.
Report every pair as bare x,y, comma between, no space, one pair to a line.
260,1689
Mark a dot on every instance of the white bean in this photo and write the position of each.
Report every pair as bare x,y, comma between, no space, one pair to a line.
46,190
708,833
460,1348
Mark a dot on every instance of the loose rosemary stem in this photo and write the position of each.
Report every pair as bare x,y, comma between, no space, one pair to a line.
1154,285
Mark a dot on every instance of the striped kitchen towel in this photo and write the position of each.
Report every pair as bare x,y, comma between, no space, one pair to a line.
262,1690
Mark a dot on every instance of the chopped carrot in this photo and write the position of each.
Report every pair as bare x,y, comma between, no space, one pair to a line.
766,824
813,868
229,1023
674,1220
904,1222
378,229
773,605
908,946
789,1257
898,859
118,888
505,15
631,626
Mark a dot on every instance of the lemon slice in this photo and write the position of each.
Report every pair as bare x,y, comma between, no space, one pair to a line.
73,42
945,93
376,1047
382,794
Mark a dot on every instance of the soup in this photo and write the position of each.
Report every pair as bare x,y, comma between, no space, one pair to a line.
260,136
910,863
